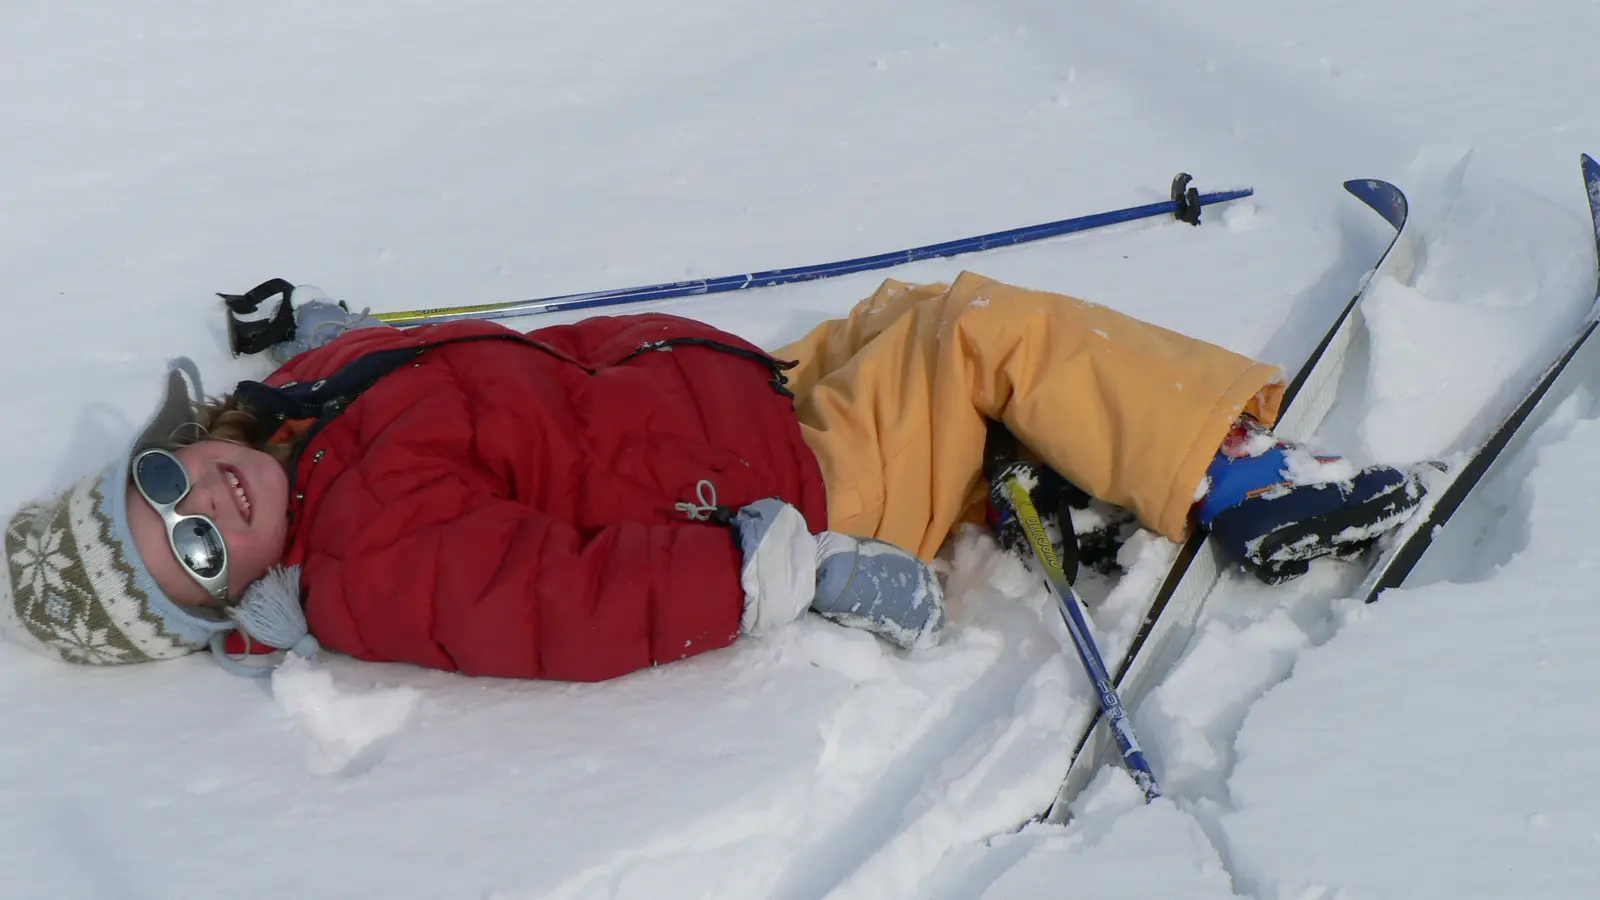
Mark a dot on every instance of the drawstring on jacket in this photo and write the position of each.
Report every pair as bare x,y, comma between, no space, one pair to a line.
706,493
706,509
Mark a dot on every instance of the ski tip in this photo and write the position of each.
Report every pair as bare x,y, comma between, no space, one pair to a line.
1591,178
1591,182
1384,198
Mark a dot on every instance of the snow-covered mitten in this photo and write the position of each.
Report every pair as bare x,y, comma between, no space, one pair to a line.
855,582
876,586
1273,506
779,573
283,319
318,319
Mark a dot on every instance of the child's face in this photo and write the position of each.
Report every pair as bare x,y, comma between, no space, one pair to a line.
254,526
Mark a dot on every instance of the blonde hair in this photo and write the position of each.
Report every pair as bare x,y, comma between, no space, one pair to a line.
224,419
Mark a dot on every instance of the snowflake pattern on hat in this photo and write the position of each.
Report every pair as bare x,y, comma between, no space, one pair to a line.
72,583
73,590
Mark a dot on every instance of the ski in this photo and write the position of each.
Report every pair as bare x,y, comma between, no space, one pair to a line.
1175,606
1404,550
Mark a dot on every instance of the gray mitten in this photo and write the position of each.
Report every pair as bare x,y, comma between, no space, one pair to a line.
855,582
876,586
318,319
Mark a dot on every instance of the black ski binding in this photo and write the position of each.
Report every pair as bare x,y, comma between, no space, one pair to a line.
249,332
1185,199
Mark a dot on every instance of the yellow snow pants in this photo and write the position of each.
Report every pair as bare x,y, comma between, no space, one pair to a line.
894,401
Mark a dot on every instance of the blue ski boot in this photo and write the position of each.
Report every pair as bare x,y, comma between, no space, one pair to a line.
1273,506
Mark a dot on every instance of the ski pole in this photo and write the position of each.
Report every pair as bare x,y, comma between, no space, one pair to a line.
1011,490
1184,205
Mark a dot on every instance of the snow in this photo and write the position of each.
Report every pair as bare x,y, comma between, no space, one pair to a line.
1120,861
1484,753
344,729
1481,299
1302,466
420,154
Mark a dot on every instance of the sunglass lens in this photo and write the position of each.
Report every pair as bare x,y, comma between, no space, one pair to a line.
161,477
199,546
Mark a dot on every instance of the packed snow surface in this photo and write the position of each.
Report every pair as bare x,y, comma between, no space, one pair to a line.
422,153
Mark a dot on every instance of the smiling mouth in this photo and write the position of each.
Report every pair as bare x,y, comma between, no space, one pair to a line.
239,493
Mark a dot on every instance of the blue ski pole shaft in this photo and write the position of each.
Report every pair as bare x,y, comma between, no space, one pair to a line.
772,277
1082,638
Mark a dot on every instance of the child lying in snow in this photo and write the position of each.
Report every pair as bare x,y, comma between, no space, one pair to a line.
589,499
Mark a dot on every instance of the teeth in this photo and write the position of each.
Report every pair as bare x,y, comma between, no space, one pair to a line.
238,491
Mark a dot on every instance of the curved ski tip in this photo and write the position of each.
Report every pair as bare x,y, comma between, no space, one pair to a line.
1591,182
1384,198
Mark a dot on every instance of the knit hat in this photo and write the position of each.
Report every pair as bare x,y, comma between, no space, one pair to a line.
72,583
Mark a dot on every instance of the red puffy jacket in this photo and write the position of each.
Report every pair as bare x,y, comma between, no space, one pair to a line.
507,504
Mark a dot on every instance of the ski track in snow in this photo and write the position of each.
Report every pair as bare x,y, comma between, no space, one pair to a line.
1311,749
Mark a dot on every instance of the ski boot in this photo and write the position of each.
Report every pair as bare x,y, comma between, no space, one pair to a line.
1273,505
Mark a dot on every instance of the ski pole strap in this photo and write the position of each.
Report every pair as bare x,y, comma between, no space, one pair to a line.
1185,199
257,333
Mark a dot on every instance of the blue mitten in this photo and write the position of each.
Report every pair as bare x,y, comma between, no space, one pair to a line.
876,586
318,319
